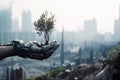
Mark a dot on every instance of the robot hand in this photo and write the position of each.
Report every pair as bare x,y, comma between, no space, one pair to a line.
34,50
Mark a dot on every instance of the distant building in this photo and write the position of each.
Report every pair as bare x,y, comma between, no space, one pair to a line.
9,30
108,37
8,71
5,24
68,37
5,19
27,32
26,21
117,29
27,36
99,38
90,29
15,73
15,25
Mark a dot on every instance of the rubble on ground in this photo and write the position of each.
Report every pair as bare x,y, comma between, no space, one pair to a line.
96,71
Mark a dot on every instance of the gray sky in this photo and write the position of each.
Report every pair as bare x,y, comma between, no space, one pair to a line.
70,13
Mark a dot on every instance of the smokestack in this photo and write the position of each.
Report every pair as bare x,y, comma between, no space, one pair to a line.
62,46
119,12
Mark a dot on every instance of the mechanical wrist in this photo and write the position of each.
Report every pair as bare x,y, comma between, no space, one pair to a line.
20,49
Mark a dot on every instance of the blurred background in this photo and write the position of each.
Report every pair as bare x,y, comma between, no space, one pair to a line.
86,31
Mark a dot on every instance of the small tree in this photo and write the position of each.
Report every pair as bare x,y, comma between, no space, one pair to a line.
44,25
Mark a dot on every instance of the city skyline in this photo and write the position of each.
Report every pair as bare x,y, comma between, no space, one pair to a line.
90,29
72,14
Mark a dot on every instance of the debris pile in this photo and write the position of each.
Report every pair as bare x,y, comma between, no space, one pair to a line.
96,71
85,72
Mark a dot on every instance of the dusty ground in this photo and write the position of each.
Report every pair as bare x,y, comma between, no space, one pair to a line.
96,71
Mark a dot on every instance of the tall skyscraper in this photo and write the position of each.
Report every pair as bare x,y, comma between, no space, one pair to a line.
5,24
26,21
5,19
90,28
117,28
62,46
119,11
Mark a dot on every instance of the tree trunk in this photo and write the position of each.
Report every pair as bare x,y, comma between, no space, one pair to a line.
46,42
46,39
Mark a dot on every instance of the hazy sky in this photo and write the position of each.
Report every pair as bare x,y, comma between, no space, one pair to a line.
70,13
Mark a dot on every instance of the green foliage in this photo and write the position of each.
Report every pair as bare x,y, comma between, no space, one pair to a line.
30,79
54,73
44,25
51,74
112,54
